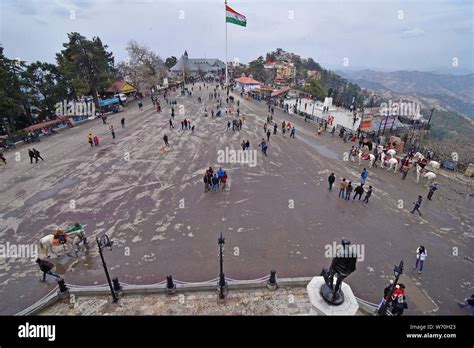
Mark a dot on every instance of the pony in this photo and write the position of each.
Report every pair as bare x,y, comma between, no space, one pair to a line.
391,153
430,176
46,243
423,161
392,162
366,156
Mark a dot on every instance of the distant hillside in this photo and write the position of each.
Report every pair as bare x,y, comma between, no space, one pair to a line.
453,92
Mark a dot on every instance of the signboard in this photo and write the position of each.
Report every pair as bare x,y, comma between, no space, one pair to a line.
366,124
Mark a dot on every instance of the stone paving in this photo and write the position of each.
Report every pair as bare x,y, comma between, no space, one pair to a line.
284,301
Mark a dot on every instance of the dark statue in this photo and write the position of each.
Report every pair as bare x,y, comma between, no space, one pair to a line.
342,265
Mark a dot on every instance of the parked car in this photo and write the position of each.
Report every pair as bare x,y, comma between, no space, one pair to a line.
122,97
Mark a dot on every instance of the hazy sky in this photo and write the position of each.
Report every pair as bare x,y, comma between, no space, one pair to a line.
377,34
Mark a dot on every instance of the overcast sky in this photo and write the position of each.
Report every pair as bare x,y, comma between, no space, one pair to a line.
380,34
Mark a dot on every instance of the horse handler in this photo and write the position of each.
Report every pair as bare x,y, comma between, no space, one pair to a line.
46,267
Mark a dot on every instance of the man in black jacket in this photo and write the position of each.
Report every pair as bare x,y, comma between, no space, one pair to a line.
359,190
331,180
37,155
31,154
46,267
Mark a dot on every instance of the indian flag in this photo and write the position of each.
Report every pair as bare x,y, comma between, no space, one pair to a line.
235,17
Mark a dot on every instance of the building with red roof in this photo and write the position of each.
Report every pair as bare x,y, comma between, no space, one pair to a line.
247,84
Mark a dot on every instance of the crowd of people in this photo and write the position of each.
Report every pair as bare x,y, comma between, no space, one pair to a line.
346,188
215,181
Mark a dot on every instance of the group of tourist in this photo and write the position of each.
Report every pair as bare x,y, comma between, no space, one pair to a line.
213,181
347,187
34,154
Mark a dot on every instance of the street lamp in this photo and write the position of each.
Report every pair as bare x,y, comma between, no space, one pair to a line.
222,282
105,242
397,271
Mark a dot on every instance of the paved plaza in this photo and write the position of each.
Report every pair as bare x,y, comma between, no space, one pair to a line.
277,215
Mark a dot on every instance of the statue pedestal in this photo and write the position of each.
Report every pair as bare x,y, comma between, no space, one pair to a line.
319,306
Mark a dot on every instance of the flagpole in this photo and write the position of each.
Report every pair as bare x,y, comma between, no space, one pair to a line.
226,72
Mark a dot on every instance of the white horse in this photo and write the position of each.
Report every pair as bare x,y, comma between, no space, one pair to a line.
368,156
433,164
47,242
430,176
391,152
392,162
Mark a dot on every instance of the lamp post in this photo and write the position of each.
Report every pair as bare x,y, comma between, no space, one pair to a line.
222,283
105,242
397,271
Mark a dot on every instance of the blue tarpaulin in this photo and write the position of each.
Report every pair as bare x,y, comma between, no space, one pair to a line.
107,102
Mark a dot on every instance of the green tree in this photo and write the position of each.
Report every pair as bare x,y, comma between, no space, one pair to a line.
315,88
13,101
256,69
86,64
46,87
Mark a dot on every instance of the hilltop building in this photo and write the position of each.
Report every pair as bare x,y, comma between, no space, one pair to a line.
196,67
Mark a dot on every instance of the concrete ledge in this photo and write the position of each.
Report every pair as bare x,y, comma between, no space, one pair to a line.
54,297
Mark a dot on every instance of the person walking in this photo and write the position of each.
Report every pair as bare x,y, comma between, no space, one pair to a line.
349,190
359,190
268,135
90,139
406,168
264,147
223,180
206,181
215,183
275,127
420,258
433,188
37,155
165,139
292,134
331,180
32,155
192,129
96,140
171,124
417,204
368,194
140,105
46,267
112,131
363,176
342,188
122,122
353,153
